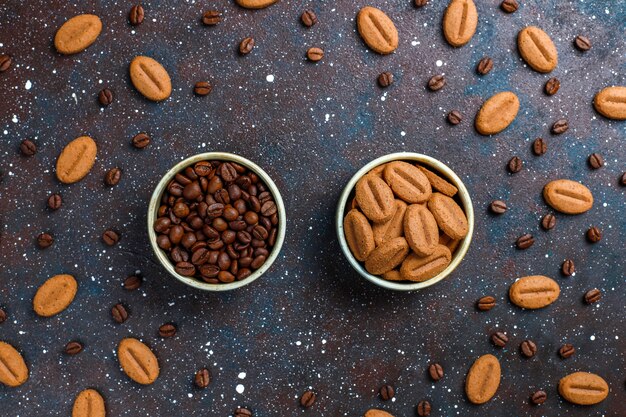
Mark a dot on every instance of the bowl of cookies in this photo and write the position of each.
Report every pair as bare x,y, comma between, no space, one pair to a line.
405,221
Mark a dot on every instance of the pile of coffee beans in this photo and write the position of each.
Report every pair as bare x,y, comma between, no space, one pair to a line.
217,222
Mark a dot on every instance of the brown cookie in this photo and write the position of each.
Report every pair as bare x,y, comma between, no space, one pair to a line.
393,227
420,230
448,242
77,34
407,182
459,22
150,78
417,268
55,295
76,160
387,256
449,215
439,183
375,198
537,49
377,30
483,379
138,361
359,234
378,170
374,412
583,388
611,102
13,369
533,292
255,4
393,275
497,113
567,196
89,403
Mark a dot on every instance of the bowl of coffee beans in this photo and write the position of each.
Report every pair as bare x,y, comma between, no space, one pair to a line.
216,221
405,221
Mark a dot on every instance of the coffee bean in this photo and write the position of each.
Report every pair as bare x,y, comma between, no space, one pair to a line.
386,392
185,269
132,282
582,43
28,147
228,172
136,15
528,348
202,88
202,378
269,208
539,147
211,17
455,117
484,65
246,45
560,126
141,140
436,82
3,316
55,201
119,313
308,399
499,339
497,207
385,79
45,240
242,412
308,18
515,165
548,221
539,397
5,62
113,177
509,6
110,237
73,348
167,330
594,234
486,303
105,97
568,268
566,351
435,371
622,179
525,241
552,86
315,54
596,161
593,296
420,3
423,408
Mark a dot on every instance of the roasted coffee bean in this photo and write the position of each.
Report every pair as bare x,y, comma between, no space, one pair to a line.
539,147
435,371
436,82
497,207
386,392
582,43
202,378
5,62
622,179
484,65
594,234
202,88
242,412
308,18
132,282
420,3
509,6
566,351
105,97
211,17
268,209
539,397
515,165
55,201
110,237
560,126
593,296
486,303
45,240
525,241
28,147
119,313
136,15
228,172
164,242
162,225
225,277
185,269
113,177
423,408
243,274
308,399
141,140
455,117
3,316
73,348
246,46
548,221
596,161
167,330
568,268
499,339
528,348
385,79
552,86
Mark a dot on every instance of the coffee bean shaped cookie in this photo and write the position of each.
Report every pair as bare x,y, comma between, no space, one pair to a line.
459,22
374,412
418,268
583,388
375,198
483,379
420,230
150,78
77,34
449,215
407,182
537,49
393,275
378,171
387,256
448,242
611,102
567,196
76,160
438,183
497,113
533,292
377,30
255,4
89,403
55,295
393,227
359,234
138,361
13,369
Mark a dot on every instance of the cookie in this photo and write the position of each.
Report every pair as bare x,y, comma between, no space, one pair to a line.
138,361
459,22
497,113
449,215
359,234
611,102
438,183
255,4
13,369
483,379
77,34
374,412
393,275
393,227
583,388
567,196
387,256
420,230
150,78
377,30
537,49
375,198
533,292
448,242
417,268
55,295
378,171
89,403
76,160
407,182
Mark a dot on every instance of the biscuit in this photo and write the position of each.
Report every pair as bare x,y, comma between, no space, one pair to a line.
13,369
418,268
483,379
375,198
567,196
459,22
359,234
76,160
537,49
611,102
533,292
583,388
420,230
255,4
55,295
438,183
393,227
497,113
377,30
387,256
407,182
89,403
138,361
76,34
150,78
449,215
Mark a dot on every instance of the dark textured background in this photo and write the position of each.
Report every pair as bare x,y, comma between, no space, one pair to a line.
311,321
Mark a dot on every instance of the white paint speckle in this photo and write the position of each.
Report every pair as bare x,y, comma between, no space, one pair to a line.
241,375
240,389
28,85
439,63
270,78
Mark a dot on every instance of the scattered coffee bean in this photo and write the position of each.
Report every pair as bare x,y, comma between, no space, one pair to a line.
455,117
141,140
497,207
539,397
202,88
548,221
622,179
436,82
539,147
385,79
242,412
423,408
560,126
246,46
509,6
582,43
167,330
308,399
5,62
499,339
386,392
594,234
315,54
45,240
113,177
486,303
28,147
3,316
55,201
566,351
110,237
596,161
308,18
593,296
73,348
515,165
525,241
528,348
105,97
119,313
202,378
484,65
211,18
552,86
132,282
435,371
136,15
568,268
420,3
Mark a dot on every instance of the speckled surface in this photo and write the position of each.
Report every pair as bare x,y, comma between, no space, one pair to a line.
311,321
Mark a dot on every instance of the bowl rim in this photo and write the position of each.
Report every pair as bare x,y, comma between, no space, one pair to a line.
429,162
155,200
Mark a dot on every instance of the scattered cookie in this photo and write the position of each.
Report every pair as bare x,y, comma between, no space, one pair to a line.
13,369
533,292
138,361
150,78
377,30
55,295
459,22
497,113
77,34
583,388
76,160
89,403
483,379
